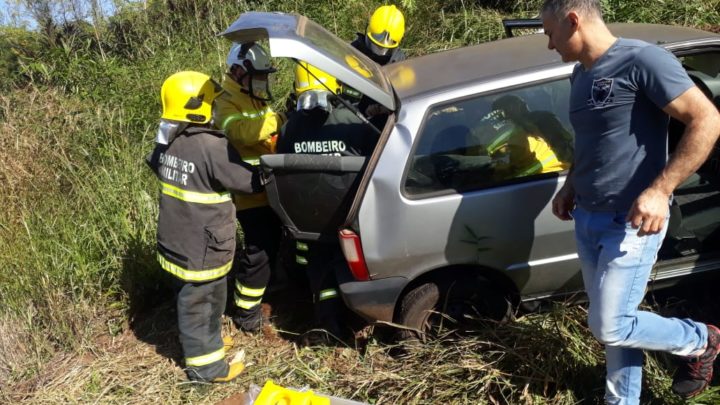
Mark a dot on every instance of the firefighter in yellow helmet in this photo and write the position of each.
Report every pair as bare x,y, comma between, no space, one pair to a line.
382,37
323,125
251,125
198,169
530,142
381,43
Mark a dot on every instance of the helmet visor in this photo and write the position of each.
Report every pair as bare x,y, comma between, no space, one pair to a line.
379,50
260,88
383,38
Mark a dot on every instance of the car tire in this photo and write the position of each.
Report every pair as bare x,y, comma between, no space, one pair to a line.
415,310
455,304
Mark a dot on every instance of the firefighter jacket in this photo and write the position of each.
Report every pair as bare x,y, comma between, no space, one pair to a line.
251,126
339,133
196,225
526,151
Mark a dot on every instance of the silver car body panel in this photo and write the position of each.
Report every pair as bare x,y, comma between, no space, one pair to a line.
454,226
295,36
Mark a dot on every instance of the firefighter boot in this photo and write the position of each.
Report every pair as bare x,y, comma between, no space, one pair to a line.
228,343
234,370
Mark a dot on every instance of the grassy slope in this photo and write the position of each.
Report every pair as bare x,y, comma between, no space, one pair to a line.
84,315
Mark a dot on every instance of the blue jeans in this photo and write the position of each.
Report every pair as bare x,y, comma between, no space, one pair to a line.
616,265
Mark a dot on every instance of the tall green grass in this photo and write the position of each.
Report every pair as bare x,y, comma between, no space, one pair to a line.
77,117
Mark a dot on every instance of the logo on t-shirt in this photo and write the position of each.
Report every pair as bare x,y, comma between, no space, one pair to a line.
601,93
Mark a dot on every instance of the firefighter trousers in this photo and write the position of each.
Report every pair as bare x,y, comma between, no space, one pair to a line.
261,231
199,310
321,261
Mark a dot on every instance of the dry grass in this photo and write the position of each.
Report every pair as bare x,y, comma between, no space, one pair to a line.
547,358
77,232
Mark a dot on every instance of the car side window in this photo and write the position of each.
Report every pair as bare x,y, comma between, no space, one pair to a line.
493,139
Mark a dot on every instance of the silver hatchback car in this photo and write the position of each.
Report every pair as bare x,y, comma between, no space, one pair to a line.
450,216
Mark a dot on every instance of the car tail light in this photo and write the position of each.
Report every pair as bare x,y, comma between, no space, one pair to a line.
352,248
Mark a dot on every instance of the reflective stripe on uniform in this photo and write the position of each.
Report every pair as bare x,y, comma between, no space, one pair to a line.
246,304
301,246
199,361
300,260
193,196
251,160
327,294
498,142
249,292
538,166
246,115
193,275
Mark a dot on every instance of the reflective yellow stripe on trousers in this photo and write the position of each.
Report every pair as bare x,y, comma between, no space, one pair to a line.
249,292
193,196
246,304
327,294
199,361
193,275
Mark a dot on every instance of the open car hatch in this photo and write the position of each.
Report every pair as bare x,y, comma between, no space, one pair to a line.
296,36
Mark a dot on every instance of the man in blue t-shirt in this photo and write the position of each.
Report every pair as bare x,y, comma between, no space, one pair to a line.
618,191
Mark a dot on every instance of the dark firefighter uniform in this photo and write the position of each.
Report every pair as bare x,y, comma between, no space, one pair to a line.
365,102
337,133
396,55
198,171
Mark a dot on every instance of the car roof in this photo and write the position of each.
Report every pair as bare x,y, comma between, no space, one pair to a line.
455,68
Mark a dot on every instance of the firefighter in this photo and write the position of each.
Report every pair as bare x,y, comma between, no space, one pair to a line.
541,122
198,169
381,41
251,125
323,125
526,143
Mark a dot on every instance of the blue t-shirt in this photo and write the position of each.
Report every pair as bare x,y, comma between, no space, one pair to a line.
620,128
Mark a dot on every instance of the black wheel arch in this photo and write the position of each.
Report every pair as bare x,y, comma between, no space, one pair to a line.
442,275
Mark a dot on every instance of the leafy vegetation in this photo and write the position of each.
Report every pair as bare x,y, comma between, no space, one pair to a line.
85,316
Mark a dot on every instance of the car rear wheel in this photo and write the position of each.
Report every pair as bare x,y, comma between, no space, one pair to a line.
433,307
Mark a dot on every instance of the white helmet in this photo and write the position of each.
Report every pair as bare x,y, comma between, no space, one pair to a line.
255,63
251,57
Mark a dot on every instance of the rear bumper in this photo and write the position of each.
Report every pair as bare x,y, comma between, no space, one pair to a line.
373,300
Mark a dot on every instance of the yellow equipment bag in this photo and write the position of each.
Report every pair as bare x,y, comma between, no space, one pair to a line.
272,394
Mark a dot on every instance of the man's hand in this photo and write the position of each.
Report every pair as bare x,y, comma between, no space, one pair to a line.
564,202
649,211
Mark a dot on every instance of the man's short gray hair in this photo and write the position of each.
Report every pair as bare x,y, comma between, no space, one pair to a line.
560,8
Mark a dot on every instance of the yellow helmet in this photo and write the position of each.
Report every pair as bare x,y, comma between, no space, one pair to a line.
188,97
386,27
308,77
